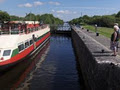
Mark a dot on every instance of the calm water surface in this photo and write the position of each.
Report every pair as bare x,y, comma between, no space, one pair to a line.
58,71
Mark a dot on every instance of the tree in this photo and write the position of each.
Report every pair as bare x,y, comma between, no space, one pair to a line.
4,16
50,19
30,17
118,14
75,21
14,18
85,19
46,18
104,21
95,20
37,17
107,21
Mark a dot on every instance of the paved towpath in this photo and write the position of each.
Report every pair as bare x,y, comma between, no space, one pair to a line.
101,39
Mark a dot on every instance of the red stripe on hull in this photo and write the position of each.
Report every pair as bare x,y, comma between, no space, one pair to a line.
24,53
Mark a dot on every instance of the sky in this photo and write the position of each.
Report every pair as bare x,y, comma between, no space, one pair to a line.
63,9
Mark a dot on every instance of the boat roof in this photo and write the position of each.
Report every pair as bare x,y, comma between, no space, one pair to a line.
25,22
7,41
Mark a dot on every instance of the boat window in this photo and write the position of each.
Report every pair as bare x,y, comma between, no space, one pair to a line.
26,44
31,42
21,47
6,53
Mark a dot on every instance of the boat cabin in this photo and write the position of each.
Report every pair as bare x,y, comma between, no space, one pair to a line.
20,27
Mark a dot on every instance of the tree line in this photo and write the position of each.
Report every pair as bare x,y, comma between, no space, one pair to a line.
45,18
103,21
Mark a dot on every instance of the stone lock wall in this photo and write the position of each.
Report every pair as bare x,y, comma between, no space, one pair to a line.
100,70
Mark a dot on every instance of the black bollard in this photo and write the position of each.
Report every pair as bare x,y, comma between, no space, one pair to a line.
97,34
82,28
102,50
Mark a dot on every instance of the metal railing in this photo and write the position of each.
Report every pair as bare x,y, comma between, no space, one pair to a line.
21,31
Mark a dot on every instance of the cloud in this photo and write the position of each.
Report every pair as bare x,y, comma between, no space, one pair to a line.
38,3
54,3
33,4
28,5
53,10
65,12
25,5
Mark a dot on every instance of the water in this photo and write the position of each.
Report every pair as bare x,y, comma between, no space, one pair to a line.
58,71
53,68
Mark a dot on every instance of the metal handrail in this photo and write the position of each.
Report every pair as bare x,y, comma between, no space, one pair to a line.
22,31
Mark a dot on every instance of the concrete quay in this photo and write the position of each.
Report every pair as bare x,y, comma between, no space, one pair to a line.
100,70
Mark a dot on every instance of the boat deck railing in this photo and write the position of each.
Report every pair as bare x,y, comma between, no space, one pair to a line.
21,31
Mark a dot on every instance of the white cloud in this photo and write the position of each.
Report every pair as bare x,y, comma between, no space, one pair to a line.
53,10
25,5
38,3
54,3
28,5
65,12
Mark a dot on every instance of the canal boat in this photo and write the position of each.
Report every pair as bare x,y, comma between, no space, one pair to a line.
20,39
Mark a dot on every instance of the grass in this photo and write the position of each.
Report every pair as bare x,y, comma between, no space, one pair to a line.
102,30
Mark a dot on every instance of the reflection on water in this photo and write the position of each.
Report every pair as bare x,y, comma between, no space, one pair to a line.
13,77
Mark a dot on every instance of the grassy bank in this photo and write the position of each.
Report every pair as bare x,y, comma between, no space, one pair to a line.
102,30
